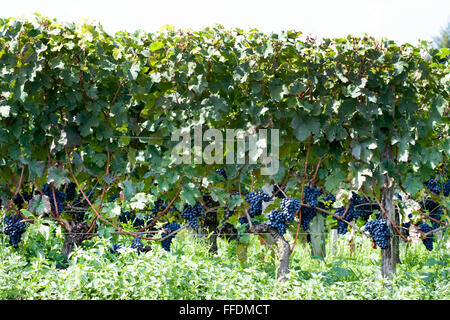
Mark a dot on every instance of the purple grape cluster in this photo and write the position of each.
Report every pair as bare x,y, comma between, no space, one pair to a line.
71,192
125,216
243,220
160,205
277,220
13,227
191,213
222,172
358,207
21,198
311,195
433,186
330,198
289,206
256,200
115,248
137,244
428,241
446,188
60,197
379,231
435,211
169,227
280,219
228,214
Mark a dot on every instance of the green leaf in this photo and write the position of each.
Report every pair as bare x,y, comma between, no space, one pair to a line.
276,91
304,126
57,176
412,184
157,45
40,205
333,181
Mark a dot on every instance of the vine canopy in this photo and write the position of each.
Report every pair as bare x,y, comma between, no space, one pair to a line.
114,100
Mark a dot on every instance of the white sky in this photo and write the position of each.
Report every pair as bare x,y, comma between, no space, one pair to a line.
399,20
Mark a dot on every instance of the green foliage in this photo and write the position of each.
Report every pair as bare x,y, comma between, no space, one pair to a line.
190,272
76,88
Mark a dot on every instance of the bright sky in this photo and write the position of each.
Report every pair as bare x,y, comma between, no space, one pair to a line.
399,20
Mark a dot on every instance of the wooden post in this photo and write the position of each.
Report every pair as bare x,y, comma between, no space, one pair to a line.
389,256
317,234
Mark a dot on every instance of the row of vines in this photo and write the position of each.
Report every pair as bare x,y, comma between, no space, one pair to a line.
86,120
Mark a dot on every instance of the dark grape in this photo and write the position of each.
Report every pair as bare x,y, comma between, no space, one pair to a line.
125,216
115,248
278,221
60,197
222,172
311,194
169,227
433,186
289,207
21,198
428,241
446,188
137,244
71,192
191,213
243,220
13,227
256,200
379,231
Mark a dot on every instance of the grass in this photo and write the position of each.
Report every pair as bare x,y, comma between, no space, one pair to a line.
35,271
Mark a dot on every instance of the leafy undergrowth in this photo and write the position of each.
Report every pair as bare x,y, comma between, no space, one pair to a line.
37,271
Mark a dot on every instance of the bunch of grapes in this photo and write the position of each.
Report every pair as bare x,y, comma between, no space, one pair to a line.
137,244
289,207
278,221
311,194
71,192
446,188
60,197
405,228
228,214
429,205
243,220
329,200
125,216
379,231
363,207
277,191
191,213
256,200
113,197
307,215
169,227
13,227
21,198
433,186
310,197
428,241
160,205
435,211
115,248
342,226
137,222
222,172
